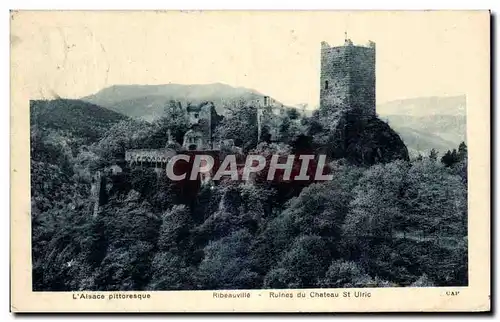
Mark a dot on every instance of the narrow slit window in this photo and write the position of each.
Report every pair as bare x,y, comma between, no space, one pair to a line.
326,84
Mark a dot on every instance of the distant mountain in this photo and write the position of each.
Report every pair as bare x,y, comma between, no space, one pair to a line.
422,142
427,122
76,117
147,102
451,128
424,106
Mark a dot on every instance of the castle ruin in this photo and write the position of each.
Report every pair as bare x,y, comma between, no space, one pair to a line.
202,118
347,99
348,77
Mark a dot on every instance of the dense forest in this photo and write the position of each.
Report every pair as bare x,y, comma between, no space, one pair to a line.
378,224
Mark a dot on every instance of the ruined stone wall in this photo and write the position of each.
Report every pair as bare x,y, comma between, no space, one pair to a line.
335,76
203,119
160,156
95,191
362,79
205,125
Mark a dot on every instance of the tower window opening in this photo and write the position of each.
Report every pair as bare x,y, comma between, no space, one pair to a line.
326,84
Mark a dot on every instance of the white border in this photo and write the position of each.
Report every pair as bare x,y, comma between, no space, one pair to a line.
253,5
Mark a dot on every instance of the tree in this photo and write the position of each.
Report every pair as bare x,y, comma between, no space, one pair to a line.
125,268
319,210
435,200
235,211
239,124
170,272
462,151
284,129
166,194
207,202
461,169
457,161
293,113
129,221
58,237
51,147
446,159
226,264
257,201
345,274
461,166
85,164
279,278
143,180
174,231
304,262
127,134
433,155
454,156
423,281
376,210
450,158
175,120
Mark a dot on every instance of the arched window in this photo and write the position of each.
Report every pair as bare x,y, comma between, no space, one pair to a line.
326,84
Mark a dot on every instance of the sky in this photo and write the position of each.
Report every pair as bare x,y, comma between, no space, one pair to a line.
73,54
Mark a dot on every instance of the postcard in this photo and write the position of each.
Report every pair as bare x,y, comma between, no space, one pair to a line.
250,161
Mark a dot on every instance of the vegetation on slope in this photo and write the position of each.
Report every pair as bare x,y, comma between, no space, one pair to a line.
385,222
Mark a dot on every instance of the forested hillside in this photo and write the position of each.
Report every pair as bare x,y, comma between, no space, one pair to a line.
378,223
74,117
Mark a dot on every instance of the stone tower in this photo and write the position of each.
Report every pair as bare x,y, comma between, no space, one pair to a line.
202,120
348,77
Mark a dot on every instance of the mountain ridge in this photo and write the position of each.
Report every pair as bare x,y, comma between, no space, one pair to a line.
147,101
435,105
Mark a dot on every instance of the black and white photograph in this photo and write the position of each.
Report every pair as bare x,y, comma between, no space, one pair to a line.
265,151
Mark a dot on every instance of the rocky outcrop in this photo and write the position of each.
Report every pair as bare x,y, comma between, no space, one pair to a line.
362,140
